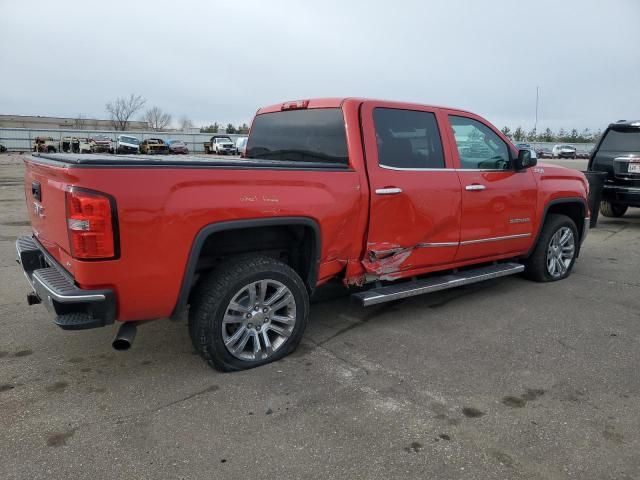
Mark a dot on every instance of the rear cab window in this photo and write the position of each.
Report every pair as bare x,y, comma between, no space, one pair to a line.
314,135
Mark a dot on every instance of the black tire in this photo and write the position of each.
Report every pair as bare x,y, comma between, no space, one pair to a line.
536,264
615,210
213,295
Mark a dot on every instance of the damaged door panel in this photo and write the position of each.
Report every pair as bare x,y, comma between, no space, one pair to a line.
414,217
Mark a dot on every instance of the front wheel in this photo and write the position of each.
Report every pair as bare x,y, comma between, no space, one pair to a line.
555,253
247,312
615,210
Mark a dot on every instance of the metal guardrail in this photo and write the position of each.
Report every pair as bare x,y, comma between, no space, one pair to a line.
21,139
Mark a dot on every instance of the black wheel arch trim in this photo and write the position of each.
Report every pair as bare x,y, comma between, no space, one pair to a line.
558,201
208,230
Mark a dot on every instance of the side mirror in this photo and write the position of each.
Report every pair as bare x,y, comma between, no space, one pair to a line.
524,160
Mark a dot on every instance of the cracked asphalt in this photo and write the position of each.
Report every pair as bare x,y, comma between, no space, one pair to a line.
502,380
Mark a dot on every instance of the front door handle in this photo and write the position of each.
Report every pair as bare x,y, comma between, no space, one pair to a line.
388,191
474,187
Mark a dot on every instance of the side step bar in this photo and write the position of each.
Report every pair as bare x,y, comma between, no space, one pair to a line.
435,284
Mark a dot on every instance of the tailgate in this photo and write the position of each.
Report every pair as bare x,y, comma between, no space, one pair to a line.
45,187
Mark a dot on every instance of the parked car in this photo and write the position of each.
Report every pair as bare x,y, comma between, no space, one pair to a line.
241,145
583,153
544,152
45,144
365,192
563,151
101,144
151,146
221,145
177,146
618,154
127,144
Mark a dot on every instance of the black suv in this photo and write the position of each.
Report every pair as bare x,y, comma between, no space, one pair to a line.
618,154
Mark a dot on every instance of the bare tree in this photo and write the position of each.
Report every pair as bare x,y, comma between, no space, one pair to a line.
185,123
157,119
122,109
80,122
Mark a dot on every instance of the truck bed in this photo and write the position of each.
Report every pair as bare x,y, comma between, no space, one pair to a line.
210,161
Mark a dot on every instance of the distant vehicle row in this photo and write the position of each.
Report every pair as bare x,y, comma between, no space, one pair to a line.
126,144
558,151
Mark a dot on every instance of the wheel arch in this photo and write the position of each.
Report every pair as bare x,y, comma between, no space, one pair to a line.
573,207
309,271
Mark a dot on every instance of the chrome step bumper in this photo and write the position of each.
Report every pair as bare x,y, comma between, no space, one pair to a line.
435,284
74,308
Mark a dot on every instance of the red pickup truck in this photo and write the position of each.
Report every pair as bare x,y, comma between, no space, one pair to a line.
394,199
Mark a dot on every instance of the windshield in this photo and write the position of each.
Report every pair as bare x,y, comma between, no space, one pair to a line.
223,140
315,135
627,140
131,140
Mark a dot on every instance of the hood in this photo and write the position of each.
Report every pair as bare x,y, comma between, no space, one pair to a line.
549,171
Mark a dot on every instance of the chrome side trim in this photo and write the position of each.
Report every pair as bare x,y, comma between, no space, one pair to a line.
437,244
387,167
495,239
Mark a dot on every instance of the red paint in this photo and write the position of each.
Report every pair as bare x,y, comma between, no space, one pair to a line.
161,210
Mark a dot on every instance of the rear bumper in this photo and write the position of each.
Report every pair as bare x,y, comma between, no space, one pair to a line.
621,194
74,308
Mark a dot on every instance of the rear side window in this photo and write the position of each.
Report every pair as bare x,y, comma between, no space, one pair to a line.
313,135
407,139
627,140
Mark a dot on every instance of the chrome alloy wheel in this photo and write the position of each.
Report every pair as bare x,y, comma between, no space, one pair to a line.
259,319
560,253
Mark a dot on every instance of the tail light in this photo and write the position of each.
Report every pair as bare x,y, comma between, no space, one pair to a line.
92,225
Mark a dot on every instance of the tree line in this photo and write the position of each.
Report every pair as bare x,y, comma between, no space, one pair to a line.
122,110
548,135
230,128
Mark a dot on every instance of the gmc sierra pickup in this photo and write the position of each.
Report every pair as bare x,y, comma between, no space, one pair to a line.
393,199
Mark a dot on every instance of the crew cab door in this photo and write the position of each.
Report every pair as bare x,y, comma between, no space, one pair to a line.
498,203
415,193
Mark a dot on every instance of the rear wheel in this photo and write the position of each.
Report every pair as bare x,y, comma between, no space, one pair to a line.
248,312
555,252
609,209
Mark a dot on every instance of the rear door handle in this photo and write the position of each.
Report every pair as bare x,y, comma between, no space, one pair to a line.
474,187
388,191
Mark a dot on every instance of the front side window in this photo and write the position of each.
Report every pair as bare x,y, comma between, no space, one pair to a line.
479,147
407,139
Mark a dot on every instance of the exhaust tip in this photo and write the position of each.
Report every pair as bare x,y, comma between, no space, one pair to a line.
121,344
124,337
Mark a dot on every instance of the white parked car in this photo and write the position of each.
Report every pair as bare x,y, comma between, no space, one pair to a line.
223,146
564,151
127,144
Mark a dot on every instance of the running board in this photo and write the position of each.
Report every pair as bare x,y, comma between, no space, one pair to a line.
435,284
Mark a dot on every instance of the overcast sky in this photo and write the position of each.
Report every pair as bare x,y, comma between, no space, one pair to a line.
220,61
